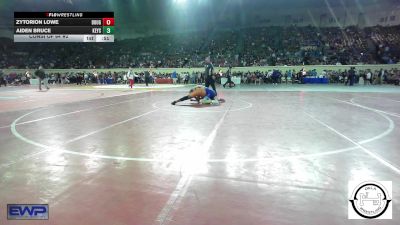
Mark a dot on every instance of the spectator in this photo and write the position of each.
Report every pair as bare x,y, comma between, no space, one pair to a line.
174,77
2,79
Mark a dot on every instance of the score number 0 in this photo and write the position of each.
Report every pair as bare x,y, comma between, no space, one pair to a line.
108,21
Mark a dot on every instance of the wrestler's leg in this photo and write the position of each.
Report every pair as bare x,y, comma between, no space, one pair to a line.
210,101
181,100
197,99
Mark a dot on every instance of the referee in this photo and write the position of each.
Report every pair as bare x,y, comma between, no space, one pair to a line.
210,80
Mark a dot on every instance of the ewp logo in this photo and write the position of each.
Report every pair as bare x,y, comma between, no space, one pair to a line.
27,211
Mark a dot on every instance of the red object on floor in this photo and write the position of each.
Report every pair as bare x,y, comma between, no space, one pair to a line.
164,81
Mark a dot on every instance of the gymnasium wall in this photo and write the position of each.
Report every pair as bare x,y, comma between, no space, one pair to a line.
319,68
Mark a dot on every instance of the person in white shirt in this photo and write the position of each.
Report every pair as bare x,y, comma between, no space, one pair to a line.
368,78
86,78
130,77
324,74
125,79
25,78
269,74
96,75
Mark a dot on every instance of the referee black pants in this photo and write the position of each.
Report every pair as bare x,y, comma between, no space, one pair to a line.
211,82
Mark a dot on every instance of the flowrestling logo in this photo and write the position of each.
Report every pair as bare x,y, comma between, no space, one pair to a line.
370,200
27,212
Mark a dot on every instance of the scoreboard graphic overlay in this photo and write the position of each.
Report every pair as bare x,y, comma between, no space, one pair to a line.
64,27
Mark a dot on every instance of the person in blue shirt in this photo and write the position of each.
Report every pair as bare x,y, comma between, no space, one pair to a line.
202,94
174,77
275,77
